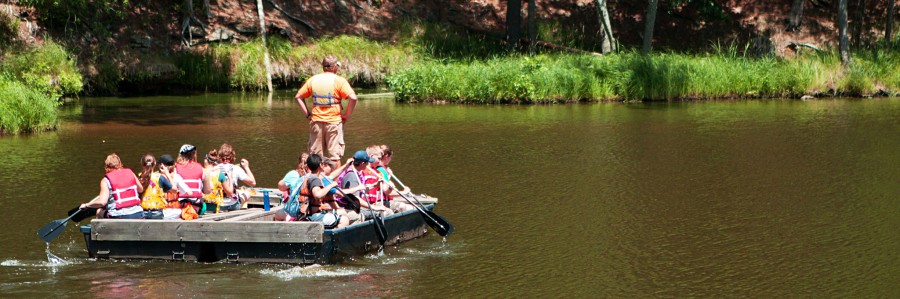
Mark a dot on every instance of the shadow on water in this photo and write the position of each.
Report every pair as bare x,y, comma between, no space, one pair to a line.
147,116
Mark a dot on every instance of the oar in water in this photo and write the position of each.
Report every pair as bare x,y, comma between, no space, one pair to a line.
438,223
380,231
54,228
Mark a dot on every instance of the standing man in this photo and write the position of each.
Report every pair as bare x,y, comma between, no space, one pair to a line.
326,119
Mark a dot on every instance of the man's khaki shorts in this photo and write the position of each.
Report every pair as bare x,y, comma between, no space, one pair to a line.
327,136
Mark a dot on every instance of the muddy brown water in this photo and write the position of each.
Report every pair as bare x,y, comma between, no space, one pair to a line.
777,198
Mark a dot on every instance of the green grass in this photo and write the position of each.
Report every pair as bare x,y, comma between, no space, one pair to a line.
48,68
31,82
631,76
365,62
24,109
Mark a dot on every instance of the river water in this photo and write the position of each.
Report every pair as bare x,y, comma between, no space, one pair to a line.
777,198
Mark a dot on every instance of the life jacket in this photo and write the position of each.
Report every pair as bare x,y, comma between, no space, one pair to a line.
323,90
382,171
192,174
153,197
217,196
366,177
124,188
301,201
329,197
372,195
228,168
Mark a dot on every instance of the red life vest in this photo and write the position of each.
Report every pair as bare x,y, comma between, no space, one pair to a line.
124,188
192,174
372,195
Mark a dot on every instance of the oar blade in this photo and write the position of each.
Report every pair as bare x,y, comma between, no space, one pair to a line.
439,224
52,230
380,230
378,222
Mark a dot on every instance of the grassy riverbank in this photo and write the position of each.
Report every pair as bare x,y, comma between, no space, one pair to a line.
32,81
427,62
630,76
239,66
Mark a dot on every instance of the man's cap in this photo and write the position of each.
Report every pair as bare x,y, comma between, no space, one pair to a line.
166,160
187,148
330,61
361,156
328,161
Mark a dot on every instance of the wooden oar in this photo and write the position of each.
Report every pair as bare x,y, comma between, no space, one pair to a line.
380,230
54,228
438,223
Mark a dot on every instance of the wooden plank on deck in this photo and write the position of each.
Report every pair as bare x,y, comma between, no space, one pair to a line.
258,215
206,231
224,215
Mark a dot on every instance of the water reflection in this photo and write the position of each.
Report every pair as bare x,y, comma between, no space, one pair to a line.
732,198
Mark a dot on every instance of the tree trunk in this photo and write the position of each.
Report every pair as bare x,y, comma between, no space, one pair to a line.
607,41
859,22
889,27
187,11
513,23
532,25
648,27
206,10
796,15
843,40
262,32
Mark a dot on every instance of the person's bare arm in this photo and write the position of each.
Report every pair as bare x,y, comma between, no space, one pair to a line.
140,188
101,200
250,180
350,107
207,183
337,172
300,101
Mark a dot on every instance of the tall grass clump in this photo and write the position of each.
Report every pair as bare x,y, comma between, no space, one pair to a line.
515,79
207,69
31,83
47,68
365,62
24,109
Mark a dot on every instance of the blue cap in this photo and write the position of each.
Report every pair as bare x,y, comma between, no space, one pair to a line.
361,156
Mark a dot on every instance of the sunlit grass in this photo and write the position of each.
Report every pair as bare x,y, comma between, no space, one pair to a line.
631,76
24,109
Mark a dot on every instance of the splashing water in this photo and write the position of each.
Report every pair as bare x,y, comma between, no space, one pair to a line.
53,259
310,271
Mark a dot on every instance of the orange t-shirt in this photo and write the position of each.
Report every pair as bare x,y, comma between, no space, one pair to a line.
340,89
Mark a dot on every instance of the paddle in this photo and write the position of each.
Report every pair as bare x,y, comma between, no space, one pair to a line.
438,223
85,214
380,231
54,228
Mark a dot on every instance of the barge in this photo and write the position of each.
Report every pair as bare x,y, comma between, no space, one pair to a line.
248,235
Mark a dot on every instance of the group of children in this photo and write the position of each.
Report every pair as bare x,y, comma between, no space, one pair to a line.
183,188
317,190
168,188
